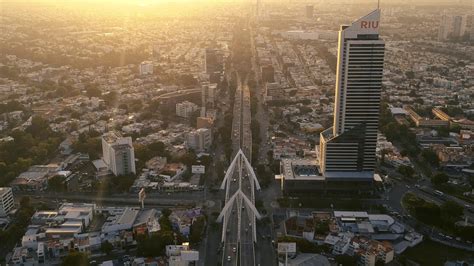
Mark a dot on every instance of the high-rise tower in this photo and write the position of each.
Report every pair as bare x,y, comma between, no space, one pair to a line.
347,150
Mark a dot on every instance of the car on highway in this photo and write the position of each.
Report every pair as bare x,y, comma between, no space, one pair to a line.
234,249
229,258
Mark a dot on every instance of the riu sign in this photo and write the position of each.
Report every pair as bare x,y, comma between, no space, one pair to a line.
369,24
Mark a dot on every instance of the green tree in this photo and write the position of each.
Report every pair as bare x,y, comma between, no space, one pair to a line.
106,247
452,209
439,179
197,229
346,260
56,183
155,244
406,171
76,259
166,212
431,157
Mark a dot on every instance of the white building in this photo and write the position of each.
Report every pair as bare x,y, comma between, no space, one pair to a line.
459,26
118,153
199,139
181,255
186,109
145,68
208,92
452,26
347,150
445,27
6,201
121,220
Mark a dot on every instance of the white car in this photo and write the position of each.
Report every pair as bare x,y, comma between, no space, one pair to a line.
229,258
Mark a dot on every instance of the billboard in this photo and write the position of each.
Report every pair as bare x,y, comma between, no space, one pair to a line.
198,169
286,247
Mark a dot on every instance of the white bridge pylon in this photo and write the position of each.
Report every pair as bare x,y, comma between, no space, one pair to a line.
239,198
230,172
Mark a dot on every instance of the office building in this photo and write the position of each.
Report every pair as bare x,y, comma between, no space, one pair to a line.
347,149
145,68
118,153
459,26
6,201
208,92
186,109
213,61
309,11
346,155
199,140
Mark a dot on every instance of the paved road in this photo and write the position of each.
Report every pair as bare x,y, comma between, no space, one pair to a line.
265,251
239,245
165,200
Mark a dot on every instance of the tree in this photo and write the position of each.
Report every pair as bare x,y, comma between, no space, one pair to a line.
166,212
430,156
56,183
76,259
451,209
155,245
25,202
197,229
346,260
406,171
93,91
106,247
439,179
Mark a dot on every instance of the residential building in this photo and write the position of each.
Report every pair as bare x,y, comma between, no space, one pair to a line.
204,122
445,27
452,27
199,139
423,121
118,153
181,255
186,109
268,73
309,11
208,92
145,68
213,61
459,26
6,201
273,91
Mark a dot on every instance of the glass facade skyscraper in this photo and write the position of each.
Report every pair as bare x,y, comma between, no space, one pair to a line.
347,150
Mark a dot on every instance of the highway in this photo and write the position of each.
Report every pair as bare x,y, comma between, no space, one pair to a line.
239,245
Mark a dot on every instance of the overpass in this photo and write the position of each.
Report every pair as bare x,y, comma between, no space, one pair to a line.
239,214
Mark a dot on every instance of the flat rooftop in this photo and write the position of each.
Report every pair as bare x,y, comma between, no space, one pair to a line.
301,169
4,190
